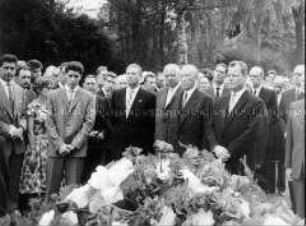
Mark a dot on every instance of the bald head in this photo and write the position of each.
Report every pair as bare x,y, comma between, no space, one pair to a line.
189,76
171,74
256,75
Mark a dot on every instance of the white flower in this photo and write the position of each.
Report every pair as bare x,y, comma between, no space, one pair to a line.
80,196
119,223
194,183
163,170
168,217
69,218
121,170
272,220
203,218
47,218
100,179
112,195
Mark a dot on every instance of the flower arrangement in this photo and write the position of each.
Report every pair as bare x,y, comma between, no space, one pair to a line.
168,190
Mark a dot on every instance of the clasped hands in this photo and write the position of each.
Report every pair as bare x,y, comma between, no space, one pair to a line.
97,134
221,153
65,150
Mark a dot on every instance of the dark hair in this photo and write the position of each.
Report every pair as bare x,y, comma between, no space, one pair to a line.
41,83
243,66
222,65
272,72
8,58
75,66
208,74
90,76
101,68
34,64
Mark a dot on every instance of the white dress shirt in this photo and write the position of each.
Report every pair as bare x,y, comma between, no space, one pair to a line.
170,94
129,98
257,90
71,92
235,96
189,93
221,88
6,87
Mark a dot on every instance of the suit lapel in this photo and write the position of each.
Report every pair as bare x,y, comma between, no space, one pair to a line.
188,107
163,99
236,110
176,97
5,101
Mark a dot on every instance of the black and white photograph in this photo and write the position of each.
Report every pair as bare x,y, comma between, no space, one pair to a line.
152,112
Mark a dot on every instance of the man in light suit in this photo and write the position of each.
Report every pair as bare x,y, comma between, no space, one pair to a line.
295,155
167,106
295,147
71,118
218,88
12,125
132,116
236,121
195,111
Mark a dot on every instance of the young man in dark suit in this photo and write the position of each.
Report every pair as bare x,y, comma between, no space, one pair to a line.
195,110
236,120
132,113
271,149
167,106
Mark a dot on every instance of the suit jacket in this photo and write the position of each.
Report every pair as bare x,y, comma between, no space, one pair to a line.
237,131
135,130
70,124
287,98
12,117
295,145
166,120
194,126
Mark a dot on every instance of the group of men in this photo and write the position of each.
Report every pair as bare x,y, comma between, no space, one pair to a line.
235,117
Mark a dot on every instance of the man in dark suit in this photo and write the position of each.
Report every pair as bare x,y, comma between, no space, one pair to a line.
167,106
12,125
70,120
236,121
218,88
132,112
195,111
271,149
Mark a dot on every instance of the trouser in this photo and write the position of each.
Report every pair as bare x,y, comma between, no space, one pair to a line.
298,190
15,166
73,168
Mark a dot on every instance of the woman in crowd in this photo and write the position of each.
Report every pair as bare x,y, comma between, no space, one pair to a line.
33,177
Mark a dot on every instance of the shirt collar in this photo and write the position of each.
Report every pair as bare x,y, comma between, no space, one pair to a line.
68,89
5,83
239,93
216,86
174,88
190,92
258,89
129,89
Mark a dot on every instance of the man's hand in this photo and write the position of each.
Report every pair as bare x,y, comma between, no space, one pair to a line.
16,133
94,133
289,174
101,136
221,152
64,151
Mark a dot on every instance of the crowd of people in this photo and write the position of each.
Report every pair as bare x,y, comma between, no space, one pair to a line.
54,131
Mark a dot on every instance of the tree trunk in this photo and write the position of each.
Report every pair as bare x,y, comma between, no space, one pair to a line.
299,34
181,40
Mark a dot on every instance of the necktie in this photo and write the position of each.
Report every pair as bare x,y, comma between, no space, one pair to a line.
254,92
185,99
10,97
70,95
218,91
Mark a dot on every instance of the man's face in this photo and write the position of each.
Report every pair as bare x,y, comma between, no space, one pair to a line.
151,84
90,84
133,76
36,73
160,80
299,77
204,83
8,71
188,80
24,79
219,74
256,76
108,83
73,78
171,78
235,79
